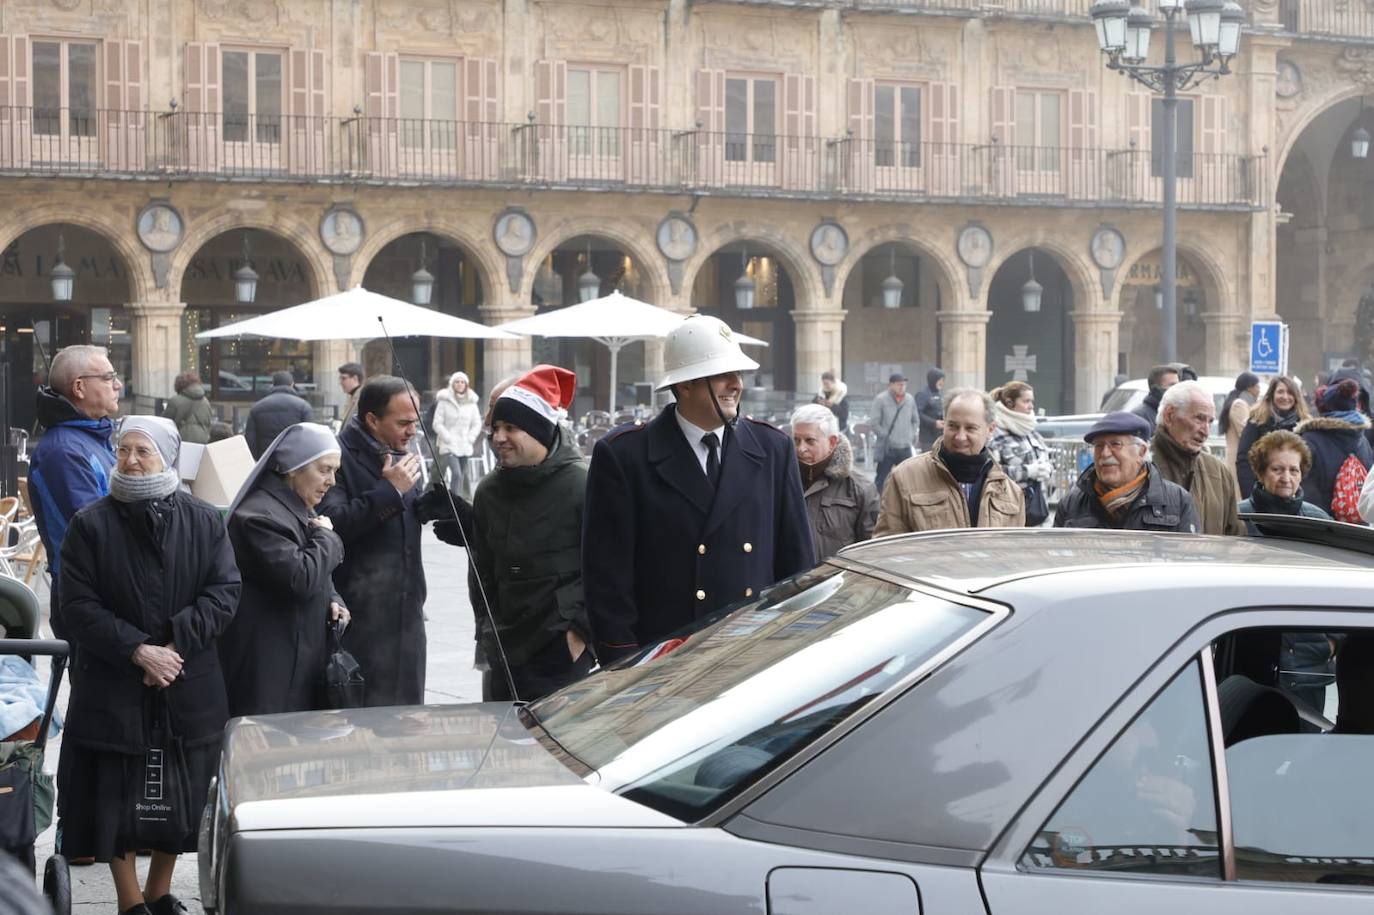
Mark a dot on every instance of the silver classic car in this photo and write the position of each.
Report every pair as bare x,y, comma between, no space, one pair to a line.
1002,722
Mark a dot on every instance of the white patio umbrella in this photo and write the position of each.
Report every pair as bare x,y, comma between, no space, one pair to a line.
356,315
614,321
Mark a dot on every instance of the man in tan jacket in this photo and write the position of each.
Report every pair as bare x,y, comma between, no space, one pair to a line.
1179,450
956,483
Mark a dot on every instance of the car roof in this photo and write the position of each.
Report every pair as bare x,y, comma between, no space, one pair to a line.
977,560
1216,384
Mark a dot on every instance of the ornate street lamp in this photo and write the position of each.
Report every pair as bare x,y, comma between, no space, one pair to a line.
245,278
1359,138
422,281
63,277
746,287
892,286
1215,28
588,284
1032,291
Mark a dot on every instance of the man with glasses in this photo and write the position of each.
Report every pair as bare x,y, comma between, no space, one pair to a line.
71,466
1122,490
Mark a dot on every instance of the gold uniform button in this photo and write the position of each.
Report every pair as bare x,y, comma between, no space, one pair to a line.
701,549
748,548
701,595
748,592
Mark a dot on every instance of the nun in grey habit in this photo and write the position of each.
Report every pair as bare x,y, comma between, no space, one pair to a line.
275,651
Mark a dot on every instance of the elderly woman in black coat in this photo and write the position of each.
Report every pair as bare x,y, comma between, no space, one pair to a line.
274,652
148,585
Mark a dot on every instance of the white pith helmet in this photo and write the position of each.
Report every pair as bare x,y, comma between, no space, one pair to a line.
701,346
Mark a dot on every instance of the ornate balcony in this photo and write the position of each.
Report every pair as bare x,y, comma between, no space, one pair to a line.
404,152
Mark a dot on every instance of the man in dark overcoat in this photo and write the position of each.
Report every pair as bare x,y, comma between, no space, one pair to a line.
372,507
694,510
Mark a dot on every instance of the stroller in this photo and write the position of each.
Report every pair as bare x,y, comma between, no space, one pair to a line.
26,793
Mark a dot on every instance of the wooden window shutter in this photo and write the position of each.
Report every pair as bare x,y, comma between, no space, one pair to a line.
645,112
113,52
711,100
860,104
318,74
379,105
1004,115
194,77
374,85
551,111
946,161
135,126
1214,117
298,84
1138,120
799,107
481,110
202,82
6,83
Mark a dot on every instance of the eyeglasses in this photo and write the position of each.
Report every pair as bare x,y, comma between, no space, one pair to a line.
107,376
143,454
1115,446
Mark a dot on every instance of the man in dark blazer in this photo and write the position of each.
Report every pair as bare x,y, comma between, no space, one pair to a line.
372,508
694,510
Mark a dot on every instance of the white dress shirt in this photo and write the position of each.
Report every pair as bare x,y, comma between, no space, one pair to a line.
694,434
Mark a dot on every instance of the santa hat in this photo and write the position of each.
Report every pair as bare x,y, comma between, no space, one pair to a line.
537,402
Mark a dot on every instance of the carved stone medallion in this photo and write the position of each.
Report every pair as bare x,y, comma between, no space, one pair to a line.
341,230
160,228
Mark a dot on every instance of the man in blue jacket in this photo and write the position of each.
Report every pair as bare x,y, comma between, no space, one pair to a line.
71,466
693,510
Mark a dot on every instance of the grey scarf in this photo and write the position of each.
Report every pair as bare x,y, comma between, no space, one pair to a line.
137,487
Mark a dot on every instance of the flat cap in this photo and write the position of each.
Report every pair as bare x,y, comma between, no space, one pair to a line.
1119,423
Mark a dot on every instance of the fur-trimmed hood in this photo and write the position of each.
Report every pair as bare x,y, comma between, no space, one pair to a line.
468,396
841,460
1330,424
836,396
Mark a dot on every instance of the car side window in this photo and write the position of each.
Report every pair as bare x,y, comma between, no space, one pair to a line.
1147,806
1301,809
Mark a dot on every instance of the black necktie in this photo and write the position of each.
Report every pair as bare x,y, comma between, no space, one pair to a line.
712,443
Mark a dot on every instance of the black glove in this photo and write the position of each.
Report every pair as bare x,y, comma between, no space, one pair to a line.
435,505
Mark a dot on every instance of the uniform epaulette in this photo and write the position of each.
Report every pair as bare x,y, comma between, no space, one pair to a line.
765,423
620,430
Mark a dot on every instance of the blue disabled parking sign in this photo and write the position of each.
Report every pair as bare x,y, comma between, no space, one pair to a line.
1269,348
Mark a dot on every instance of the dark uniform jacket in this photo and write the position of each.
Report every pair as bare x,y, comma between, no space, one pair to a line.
381,578
661,548
281,407
274,652
527,549
154,572
1161,506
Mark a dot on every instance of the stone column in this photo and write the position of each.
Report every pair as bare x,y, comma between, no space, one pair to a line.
1096,344
155,332
963,348
818,345
502,358
1227,336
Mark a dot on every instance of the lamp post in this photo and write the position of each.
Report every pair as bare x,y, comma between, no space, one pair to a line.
1123,35
422,282
1031,291
245,278
1359,137
62,277
892,286
588,284
746,286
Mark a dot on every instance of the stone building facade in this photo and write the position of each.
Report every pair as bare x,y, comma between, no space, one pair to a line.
667,147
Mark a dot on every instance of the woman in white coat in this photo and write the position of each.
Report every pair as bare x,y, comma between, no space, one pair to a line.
457,423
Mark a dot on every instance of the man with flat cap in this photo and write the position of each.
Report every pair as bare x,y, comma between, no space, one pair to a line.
1122,490
695,510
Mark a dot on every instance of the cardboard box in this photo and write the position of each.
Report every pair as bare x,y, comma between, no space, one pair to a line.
221,470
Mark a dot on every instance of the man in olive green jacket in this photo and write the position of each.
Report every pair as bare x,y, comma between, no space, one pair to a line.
527,541
1179,450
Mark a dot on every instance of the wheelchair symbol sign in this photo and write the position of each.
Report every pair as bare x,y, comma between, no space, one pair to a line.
1267,349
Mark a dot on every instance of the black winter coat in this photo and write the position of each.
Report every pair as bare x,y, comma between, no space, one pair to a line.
661,548
281,407
274,652
1331,441
930,405
146,572
1161,506
527,549
381,578
1251,434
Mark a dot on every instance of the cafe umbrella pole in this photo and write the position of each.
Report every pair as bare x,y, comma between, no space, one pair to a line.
453,507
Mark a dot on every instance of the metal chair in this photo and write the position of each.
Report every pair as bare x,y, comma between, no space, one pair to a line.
866,442
19,613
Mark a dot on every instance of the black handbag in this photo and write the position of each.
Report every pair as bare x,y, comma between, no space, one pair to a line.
18,827
160,789
344,684
1037,506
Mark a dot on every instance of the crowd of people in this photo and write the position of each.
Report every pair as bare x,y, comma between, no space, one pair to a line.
180,618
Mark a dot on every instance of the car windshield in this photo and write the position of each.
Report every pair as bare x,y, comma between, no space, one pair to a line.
684,731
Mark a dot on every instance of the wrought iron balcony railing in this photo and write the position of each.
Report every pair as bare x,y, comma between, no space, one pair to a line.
399,151
1352,20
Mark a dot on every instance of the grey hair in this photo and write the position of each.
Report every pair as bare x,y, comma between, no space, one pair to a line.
1180,395
817,415
981,395
70,363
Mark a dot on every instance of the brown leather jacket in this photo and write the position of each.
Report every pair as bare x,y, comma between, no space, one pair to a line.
922,495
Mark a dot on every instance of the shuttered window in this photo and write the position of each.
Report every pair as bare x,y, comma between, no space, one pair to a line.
751,118
253,96
64,88
896,125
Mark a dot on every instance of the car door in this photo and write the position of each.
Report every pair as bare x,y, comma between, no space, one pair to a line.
1209,789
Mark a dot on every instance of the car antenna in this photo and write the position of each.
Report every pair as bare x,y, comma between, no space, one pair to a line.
481,591
42,351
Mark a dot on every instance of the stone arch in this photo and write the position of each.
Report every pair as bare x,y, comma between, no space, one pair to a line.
1349,293
644,256
481,252
1310,113
1204,260
117,235
802,270
287,227
1087,289
946,275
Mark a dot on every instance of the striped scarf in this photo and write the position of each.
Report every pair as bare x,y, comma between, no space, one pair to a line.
1117,500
